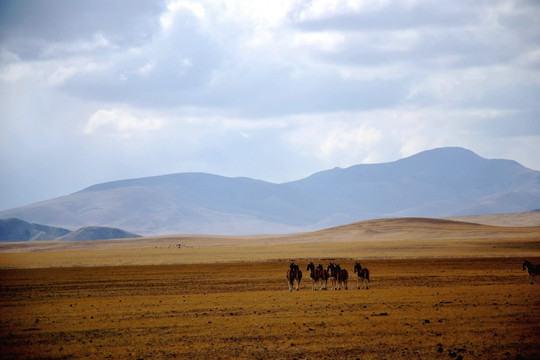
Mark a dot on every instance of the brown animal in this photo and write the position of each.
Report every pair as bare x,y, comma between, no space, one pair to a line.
314,275
323,276
363,275
294,274
533,270
332,275
343,277
338,276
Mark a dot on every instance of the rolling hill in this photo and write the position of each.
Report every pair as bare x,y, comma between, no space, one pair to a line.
19,230
442,182
97,233
16,230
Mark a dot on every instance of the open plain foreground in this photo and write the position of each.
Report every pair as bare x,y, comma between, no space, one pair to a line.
438,290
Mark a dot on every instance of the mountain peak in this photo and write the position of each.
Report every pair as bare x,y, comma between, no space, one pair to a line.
445,154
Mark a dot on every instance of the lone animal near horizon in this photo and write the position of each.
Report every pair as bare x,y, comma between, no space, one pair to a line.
363,275
532,269
294,274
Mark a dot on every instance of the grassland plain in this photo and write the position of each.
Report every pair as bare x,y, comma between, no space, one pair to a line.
439,290
460,308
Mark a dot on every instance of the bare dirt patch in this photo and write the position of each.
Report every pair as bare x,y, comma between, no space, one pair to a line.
418,308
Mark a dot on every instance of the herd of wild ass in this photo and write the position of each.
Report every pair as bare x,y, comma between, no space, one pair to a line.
339,277
320,276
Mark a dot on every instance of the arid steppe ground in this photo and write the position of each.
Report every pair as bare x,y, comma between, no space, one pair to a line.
415,308
439,291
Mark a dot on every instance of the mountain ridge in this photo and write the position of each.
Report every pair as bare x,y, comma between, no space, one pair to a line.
440,182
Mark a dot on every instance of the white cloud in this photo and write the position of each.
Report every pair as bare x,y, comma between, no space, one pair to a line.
16,71
470,85
97,43
62,72
147,68
256,14
118,122
334,139
186,123
356,140
320,9
178,6
349,138
326,41
48,72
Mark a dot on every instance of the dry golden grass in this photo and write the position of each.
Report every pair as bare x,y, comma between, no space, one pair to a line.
415,308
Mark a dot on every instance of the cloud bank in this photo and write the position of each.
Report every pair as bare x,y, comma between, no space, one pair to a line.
97,91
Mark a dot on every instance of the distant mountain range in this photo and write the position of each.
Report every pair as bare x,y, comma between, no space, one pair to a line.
436,183
19,230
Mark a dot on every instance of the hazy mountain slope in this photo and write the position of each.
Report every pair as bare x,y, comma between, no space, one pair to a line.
435,183
432,183
178,203
19,230
16,230
97,233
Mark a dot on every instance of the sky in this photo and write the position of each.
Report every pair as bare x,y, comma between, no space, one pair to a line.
96,91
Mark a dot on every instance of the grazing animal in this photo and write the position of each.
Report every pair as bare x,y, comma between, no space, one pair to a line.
332,275
533,270
314,275
342,277
363,275
294,274
323,276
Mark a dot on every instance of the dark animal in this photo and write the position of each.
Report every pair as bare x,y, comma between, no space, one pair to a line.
363,275
342,277
533,270
294,274
323,276
332,275
314,275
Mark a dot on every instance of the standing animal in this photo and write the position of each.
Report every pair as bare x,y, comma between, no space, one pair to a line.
294,274
533,270
363,275
342,277
323,276
314,275
332,275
